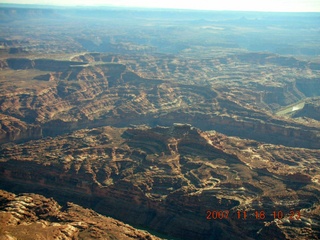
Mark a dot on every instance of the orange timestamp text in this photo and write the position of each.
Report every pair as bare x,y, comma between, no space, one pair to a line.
258,215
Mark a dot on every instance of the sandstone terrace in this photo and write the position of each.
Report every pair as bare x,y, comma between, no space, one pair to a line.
156,117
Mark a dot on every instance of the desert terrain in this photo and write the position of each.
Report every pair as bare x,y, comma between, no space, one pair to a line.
183,124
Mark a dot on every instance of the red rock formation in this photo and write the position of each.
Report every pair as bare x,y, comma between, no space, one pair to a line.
167,178
80,95
12,129
32,216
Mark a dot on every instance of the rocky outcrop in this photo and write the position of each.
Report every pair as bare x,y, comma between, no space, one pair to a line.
20,63
32,216
280,95
167,177
91,94
13,129
41,64
311,109
187,76
287,228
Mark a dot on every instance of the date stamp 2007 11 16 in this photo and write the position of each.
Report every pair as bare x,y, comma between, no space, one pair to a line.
258,215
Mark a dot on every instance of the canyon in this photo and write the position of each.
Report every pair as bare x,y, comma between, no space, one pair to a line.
167,176
179,123
101,93
32,216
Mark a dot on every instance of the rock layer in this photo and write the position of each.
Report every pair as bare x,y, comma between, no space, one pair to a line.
167,178
32,216
75,95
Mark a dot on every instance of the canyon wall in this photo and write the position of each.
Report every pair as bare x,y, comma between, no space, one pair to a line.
166,178
84,95
32,216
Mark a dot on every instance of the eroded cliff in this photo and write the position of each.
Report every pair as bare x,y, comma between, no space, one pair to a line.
128,90
168,178
32,216
85,126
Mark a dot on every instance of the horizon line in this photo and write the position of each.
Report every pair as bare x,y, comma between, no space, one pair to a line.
24,5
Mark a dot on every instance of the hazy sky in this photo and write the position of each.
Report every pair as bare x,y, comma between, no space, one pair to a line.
246,5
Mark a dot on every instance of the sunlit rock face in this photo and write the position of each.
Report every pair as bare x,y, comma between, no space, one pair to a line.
171,174
32,216
310,110
90,92
187,123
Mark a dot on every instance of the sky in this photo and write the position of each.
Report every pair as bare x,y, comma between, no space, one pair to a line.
237,5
